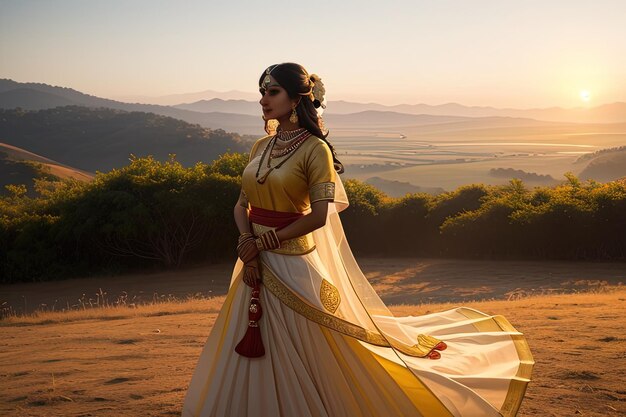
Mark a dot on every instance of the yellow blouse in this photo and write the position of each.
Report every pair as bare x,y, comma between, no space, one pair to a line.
306,177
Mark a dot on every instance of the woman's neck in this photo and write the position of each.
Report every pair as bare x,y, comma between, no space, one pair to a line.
286,125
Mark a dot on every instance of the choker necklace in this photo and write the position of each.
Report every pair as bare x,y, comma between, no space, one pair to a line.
290,150
287,135
282,147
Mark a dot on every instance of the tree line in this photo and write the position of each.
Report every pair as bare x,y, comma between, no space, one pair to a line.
156,215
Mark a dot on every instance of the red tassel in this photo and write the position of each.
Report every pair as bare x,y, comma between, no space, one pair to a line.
251,345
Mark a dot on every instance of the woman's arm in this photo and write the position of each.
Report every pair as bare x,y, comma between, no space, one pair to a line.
240,212
307,223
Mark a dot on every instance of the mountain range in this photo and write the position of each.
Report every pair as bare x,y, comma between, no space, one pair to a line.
78,134
243,115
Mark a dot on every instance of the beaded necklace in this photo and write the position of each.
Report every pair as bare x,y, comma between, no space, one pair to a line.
287,146
298,139
287,135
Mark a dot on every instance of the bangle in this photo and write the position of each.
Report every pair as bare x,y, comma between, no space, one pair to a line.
244,242
245,235
244,239
268,240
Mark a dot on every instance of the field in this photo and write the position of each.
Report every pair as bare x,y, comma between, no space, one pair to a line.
454,154
118,360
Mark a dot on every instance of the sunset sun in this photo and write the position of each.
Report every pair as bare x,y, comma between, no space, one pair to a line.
584,95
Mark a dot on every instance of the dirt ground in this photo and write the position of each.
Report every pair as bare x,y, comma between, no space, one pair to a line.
138,362
397,281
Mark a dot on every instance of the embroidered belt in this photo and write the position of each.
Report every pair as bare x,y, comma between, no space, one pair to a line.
297,246
278,219
263,220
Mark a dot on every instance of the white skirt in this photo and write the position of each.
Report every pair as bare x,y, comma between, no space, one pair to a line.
315,367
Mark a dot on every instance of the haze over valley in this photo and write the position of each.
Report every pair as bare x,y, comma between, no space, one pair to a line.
399,149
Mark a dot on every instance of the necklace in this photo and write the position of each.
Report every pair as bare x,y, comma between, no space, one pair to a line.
287,135
270,145
287,146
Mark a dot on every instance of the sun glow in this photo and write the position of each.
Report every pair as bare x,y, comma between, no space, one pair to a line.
584,95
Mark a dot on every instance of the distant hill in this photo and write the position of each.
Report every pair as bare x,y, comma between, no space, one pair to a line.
606,113
18,166
400,189
230,115
102,139
251,108
38,96
205,95
530,177
243,115
589,156
609,165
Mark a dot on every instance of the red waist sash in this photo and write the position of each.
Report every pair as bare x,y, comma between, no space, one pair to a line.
271,218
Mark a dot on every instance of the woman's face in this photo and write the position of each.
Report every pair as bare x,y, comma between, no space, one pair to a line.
275,101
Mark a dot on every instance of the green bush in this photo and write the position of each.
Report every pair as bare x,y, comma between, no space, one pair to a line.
155,215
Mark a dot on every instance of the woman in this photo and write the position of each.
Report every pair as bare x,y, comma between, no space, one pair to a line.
302,332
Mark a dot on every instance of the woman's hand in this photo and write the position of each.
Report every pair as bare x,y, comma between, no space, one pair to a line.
251,272
246,247
247,251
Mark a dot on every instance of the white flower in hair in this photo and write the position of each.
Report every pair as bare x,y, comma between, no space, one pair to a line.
318,90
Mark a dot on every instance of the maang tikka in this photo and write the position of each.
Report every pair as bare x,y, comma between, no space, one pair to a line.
267,79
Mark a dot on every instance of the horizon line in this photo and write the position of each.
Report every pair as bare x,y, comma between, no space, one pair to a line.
118,97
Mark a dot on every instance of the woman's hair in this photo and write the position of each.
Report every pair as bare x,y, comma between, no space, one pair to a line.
297,81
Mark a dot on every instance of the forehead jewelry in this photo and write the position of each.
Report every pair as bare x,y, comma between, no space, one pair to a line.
267,80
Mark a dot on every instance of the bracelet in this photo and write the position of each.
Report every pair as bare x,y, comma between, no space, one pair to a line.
268,240
245,236
244,239
244,242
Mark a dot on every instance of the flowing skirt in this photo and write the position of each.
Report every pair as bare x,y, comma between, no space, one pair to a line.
319,363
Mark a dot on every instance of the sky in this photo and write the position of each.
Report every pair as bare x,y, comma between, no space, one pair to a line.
500,53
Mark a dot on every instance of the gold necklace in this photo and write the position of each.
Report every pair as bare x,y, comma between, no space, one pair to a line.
277,152
271,143
287,135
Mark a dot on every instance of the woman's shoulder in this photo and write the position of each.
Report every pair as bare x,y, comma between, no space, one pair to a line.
317,151
262,139
259,143
314,143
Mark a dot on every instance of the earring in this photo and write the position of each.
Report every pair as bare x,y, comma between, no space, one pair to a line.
294,116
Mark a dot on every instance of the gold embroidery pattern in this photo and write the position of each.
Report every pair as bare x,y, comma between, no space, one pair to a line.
322,191
329,295
300,306
297,246
293,301
518,385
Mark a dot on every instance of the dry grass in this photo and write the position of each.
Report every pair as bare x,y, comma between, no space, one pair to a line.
104,311
131,361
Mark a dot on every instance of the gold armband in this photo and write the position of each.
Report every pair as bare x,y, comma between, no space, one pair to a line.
322,191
